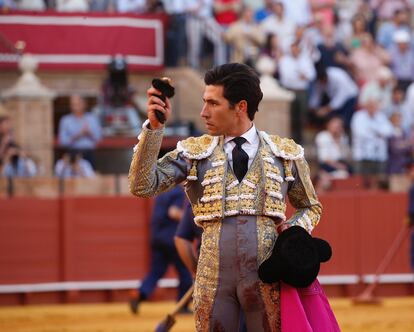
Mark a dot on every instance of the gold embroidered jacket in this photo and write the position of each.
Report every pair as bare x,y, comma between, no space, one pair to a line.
278,170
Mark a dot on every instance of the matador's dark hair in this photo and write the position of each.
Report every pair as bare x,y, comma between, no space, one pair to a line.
240,82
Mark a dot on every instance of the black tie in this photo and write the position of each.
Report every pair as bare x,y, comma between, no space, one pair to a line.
240,158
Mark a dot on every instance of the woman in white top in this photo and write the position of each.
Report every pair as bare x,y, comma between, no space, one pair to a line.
333,149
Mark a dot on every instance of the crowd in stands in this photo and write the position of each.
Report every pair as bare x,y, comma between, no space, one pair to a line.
14,162
79,133
350,65
116,6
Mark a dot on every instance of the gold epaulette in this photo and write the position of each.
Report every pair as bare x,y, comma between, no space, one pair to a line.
285,148
198,147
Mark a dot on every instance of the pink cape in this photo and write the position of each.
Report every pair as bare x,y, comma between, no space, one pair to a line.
306,309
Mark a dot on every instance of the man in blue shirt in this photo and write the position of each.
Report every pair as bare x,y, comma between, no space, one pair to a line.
165,217
80,130
187,233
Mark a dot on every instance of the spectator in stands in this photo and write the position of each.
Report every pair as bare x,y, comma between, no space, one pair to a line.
227,11
186,234
72,165
382,86
359,29
307,43
386,31
299,11
409,101
201,24
168,211
368,59
343,26
332,52
80,130
272,47
325,9
384,9
402,58
131,6
155,6
102,5
370,131
245,38
7,4
177,11
334,93
277,23
272,51
400,147
16,163
314,30
6,132
254,4
72,5
32,5
363,7
264,11
397,104
297,71
333,152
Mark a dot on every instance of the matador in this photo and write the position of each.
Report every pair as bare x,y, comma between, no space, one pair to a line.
237,179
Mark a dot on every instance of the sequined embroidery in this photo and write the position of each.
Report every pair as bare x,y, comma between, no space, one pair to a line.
271,299
207,276
266,238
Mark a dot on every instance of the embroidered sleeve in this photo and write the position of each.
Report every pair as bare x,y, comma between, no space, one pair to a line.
147,176
303,198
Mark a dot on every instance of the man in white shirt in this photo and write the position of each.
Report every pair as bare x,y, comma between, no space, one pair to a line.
34,5
381,87
298,11
72,5
370,130
297,71
341,94
278,24
131,6
333,149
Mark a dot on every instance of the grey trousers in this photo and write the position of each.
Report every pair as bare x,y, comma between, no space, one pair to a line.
238,286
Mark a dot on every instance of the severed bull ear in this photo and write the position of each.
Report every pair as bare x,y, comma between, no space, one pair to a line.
165,86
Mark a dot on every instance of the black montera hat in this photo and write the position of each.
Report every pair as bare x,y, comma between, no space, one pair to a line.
295,259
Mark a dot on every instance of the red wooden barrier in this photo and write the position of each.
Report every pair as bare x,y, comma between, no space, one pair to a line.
106,238
29,241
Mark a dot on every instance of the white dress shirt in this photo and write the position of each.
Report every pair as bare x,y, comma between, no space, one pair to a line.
284,29
329,149
340,88
250,146
125,6
369,136
178,6
296,73
299,11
